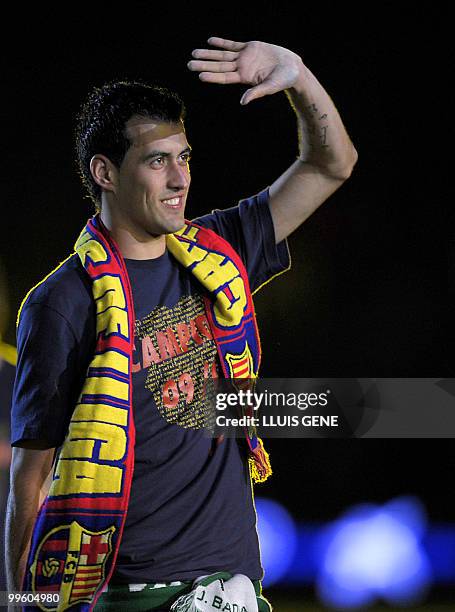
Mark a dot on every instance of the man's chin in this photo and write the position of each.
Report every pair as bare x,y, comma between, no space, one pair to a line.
175,227
172,227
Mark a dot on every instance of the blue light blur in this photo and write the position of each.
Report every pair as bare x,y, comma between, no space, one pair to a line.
278,539
371,553
440,547
375,552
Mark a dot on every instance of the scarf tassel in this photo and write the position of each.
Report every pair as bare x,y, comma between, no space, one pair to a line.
259,461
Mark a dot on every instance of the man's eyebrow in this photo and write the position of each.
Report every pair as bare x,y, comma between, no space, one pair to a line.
156,153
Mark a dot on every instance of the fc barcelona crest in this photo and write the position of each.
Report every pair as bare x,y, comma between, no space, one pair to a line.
70,560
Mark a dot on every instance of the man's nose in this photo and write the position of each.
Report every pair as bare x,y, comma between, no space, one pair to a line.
178,175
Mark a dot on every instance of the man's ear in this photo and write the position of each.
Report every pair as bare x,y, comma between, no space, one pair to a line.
104,172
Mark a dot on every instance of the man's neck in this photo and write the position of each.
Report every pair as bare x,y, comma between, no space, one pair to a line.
134,243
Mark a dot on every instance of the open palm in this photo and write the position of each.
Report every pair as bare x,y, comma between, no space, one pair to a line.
268,67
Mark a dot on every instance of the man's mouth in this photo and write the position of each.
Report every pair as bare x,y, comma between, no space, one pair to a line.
174,203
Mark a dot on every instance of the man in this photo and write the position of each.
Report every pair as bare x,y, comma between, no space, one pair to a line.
189,502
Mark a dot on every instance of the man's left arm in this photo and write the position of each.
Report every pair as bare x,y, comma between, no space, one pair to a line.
327,155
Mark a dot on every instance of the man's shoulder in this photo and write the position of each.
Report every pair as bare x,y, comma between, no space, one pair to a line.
218,217
66,289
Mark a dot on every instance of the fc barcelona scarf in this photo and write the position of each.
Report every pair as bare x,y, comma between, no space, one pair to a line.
79,527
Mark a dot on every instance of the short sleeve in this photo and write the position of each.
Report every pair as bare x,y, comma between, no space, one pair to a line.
248,227
48,376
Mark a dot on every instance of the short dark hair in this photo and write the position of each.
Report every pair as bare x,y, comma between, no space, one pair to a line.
101,121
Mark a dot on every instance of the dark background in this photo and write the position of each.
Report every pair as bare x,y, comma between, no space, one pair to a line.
366,295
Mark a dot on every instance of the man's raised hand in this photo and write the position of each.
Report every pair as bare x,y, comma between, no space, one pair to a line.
268,67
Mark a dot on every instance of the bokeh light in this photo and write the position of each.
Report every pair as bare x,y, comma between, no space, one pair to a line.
278,539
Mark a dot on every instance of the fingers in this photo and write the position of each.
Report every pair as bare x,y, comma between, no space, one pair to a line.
222,78
231,45
222,68
212,54
212,66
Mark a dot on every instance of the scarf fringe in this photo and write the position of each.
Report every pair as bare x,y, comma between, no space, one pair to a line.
260,466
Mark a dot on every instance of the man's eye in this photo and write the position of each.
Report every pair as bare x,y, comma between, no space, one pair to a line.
157,159
186,157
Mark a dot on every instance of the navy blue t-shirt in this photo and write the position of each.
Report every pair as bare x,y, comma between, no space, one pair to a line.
191,507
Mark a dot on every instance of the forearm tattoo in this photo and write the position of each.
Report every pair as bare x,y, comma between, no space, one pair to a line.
314,127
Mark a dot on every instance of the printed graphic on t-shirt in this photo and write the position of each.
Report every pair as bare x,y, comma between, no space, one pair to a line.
176,346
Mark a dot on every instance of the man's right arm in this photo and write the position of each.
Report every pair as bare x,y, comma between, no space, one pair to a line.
55,339
41,408
30,467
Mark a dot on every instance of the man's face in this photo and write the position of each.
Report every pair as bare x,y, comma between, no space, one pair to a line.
154,176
